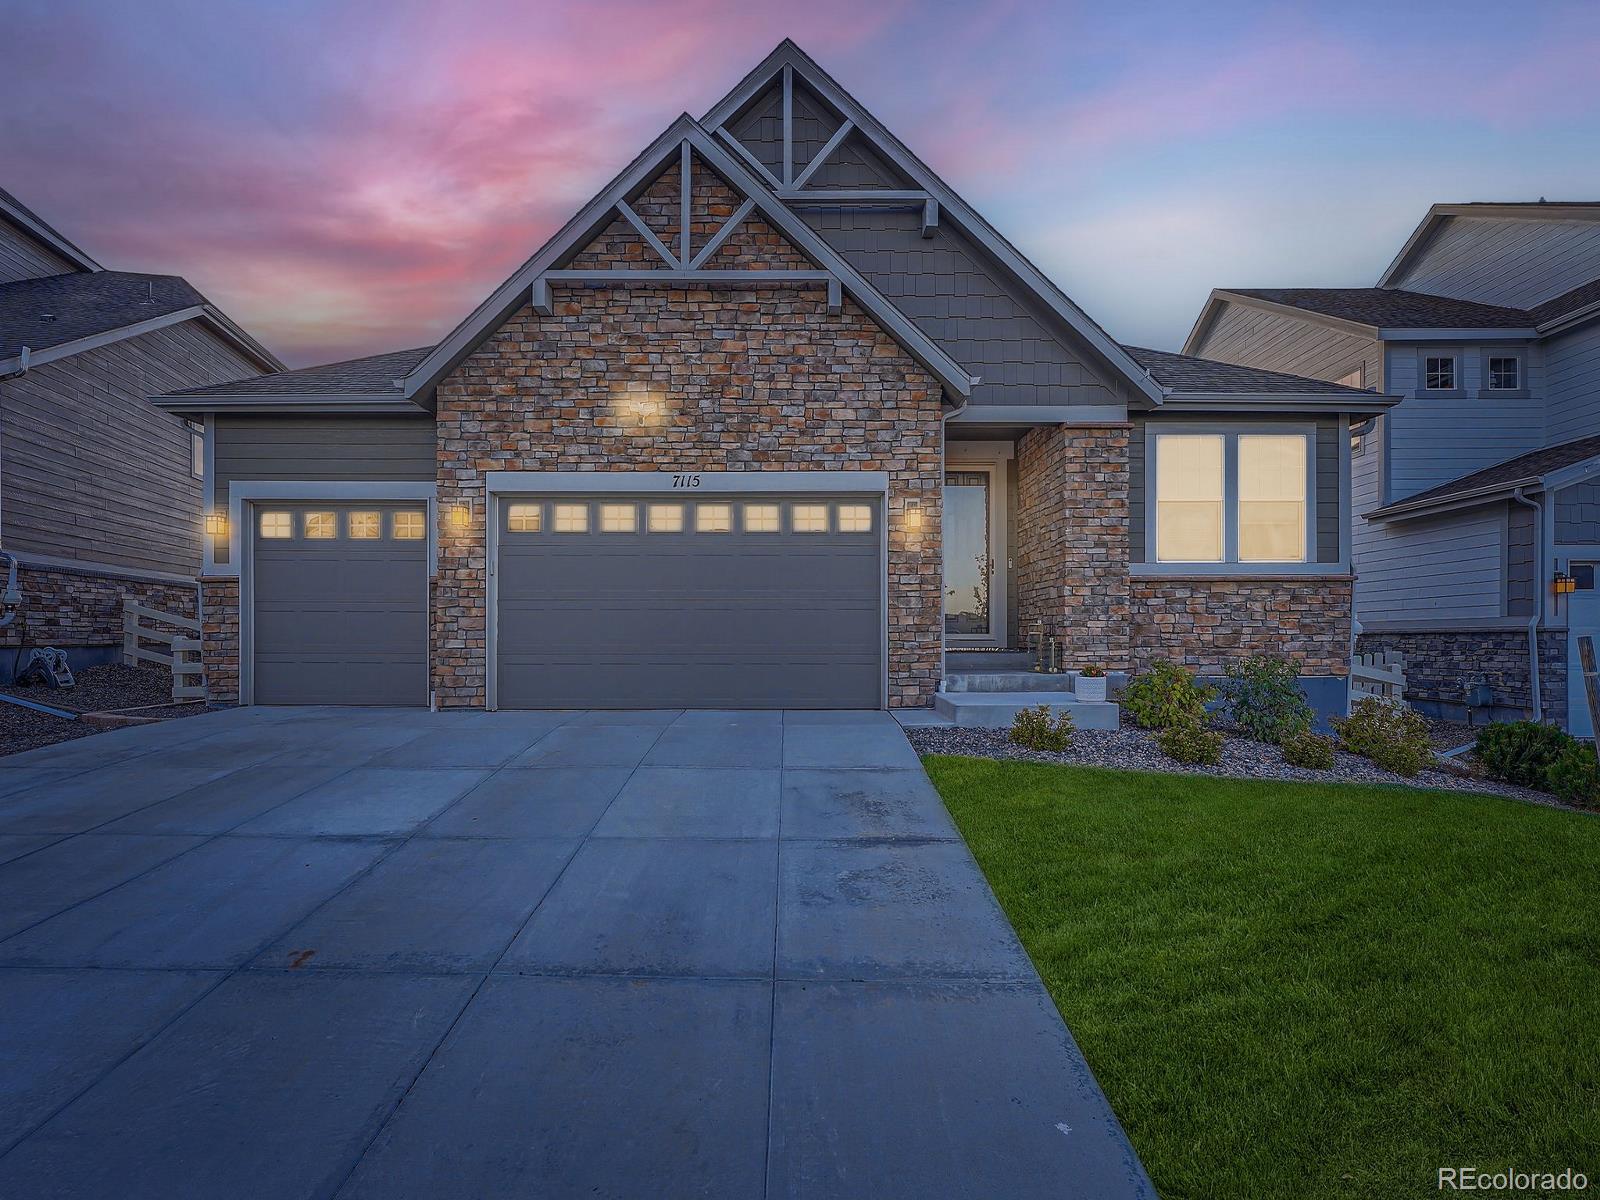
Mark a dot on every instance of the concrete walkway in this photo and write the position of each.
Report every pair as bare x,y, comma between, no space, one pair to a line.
306,953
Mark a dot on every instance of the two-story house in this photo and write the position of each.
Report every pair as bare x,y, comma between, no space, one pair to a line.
100,491
1476,499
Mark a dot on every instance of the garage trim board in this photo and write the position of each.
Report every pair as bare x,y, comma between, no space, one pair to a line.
682,486
245,496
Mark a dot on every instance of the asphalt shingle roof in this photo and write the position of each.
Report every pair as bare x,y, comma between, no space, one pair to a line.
1205,377
374,374
1393,308
41,313
1534,465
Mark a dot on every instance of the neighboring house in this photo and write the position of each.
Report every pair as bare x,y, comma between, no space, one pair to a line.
774,420
100,491
1478,496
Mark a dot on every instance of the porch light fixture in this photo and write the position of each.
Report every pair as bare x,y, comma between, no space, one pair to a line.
217,524
913,518
1563,583
460,516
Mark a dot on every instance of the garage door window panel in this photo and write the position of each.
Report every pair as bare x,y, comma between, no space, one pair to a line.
572,518
763,518
365,526
809,518
666,518
321,526
410,526
713,518
619,518
525,518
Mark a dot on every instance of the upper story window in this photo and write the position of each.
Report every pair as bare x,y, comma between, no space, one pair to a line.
1231,497
1439,372
197,449
1505,373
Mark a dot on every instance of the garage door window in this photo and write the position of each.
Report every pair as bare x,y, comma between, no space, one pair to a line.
666,518
855,518
525,518
761,518
365,526
713,518
409,526
572,518
322,525
809,518
618,518
277,525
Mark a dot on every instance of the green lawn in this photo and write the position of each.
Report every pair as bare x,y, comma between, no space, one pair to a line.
1307,990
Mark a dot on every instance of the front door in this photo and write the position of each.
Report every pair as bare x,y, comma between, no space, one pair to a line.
1583,620
968,561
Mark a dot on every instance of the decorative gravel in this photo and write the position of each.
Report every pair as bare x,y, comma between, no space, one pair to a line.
1136,750
111,687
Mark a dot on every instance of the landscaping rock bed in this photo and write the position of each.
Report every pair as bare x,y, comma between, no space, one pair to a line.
1136,750
147,691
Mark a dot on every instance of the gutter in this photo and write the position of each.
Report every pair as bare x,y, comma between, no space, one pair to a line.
22,362
1538,600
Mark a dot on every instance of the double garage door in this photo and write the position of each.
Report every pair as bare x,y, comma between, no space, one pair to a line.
596,601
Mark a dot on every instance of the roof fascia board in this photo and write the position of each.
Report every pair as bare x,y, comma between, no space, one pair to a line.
1414,243
48,236
37,358
1504,334
286,403
1037,414
790,56
1407,510
1571,320
1573,473
1209,311
225,326
1370,405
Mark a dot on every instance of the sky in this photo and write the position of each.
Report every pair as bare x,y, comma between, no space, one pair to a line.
347,177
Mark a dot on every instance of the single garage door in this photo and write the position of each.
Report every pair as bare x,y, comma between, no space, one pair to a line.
661,602
340,603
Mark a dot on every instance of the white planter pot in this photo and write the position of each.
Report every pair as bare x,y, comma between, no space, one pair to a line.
1090,691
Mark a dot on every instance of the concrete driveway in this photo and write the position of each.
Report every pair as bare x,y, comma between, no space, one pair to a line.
306,952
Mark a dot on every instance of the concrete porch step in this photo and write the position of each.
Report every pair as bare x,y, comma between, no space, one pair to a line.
996,710
987,660
1009,681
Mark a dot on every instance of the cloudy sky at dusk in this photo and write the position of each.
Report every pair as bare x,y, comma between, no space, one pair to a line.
350,176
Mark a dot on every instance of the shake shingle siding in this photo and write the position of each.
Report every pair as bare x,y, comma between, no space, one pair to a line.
1519,263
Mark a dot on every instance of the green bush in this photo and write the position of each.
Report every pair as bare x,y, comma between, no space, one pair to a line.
1521,752
1166,696
1264,698
1575,775
1387,733
1191,743
1033,728
1310,750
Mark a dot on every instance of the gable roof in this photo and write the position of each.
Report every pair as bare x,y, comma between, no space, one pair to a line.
1189,375
58,315
789,57
25,218
1490,483
1438,214
371,377
600,211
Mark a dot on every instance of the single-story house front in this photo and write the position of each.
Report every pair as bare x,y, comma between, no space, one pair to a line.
776,420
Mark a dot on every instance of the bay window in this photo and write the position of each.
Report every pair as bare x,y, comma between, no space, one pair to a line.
1230,497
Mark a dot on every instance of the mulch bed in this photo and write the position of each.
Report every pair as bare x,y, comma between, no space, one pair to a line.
112,687
1136,750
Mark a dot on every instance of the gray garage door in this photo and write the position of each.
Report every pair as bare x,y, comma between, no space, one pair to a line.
661,602
340,603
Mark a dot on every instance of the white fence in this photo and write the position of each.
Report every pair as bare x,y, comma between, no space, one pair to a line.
182,656
1382,675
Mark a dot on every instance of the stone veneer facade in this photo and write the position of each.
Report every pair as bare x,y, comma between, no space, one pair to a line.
76,608
1206,624
219,636
1441,667
682,378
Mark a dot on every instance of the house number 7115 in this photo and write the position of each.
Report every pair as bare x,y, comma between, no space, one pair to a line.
686,481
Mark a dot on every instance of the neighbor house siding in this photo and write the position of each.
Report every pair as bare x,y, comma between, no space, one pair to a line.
1572,384
1253,337
1521,556
321,448
1434,439
962,299
1446,568
1578,515
21,257
91,470
1513,262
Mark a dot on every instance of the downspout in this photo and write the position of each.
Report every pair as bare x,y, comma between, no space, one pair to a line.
1538,600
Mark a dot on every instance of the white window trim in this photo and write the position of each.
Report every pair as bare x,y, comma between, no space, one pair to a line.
1231,564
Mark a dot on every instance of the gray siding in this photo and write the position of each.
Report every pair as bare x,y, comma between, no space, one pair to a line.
1572,384
1253,337
1434,439
21,257
1515,262
1578,515
965,302
1326,514
1521,553
91,470
1448,568
322,448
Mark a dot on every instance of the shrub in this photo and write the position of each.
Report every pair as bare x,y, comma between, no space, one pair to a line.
1191,743
1387,733
1033,729
1521,752
1575,775
1309,750
1166,696
1264,698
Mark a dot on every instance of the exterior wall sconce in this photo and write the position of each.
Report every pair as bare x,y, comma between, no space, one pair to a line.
460,517
913,518
1563,583
216,524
